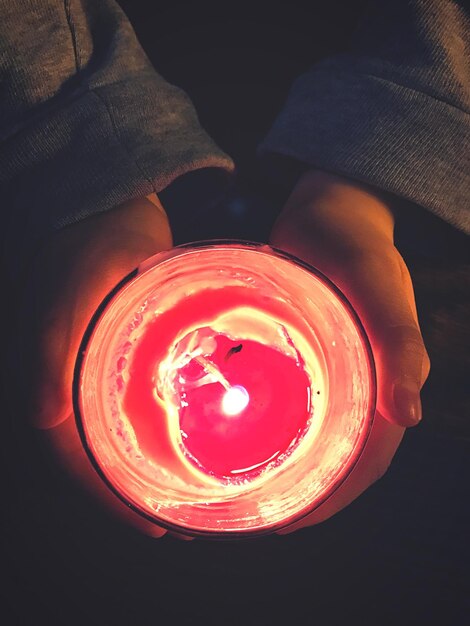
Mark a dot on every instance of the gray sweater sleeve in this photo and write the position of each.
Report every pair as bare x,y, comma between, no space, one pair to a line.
395,111
85,121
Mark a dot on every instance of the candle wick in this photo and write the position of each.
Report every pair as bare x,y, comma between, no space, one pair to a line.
233,350
212,369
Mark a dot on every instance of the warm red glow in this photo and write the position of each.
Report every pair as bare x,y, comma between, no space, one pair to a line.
226,389
224,445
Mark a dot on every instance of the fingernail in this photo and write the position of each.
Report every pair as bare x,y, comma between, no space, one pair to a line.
407,402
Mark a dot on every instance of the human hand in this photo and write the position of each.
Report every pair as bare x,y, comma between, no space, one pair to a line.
70,277
346,231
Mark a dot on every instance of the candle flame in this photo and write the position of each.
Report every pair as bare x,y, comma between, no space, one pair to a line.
235,400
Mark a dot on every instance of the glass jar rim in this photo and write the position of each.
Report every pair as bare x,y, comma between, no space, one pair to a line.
153,262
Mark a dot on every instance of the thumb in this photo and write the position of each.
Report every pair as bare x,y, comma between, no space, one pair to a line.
81,264
380,289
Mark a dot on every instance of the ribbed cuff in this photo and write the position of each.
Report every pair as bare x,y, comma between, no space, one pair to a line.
380,133
115,143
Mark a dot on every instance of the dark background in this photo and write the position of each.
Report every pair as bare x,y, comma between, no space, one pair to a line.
397,555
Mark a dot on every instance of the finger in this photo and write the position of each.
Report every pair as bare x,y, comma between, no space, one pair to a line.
71,277
378,291
62,313
66,445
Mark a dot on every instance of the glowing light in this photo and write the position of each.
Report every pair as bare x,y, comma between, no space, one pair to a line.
224,388
235,400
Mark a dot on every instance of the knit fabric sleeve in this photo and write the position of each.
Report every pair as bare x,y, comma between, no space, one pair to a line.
394,112
86,122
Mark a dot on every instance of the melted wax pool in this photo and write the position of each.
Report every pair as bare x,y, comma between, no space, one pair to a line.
240,403
275,415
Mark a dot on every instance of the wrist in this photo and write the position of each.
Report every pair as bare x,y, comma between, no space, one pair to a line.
338,208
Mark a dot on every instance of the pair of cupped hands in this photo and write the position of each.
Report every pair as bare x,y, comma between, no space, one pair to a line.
344,229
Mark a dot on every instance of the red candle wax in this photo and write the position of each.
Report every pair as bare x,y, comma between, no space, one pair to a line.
276,412
240,406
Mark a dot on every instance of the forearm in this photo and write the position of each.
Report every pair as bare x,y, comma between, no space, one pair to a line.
394,112
86,123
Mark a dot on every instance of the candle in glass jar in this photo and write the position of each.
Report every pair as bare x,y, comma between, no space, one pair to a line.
203,389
